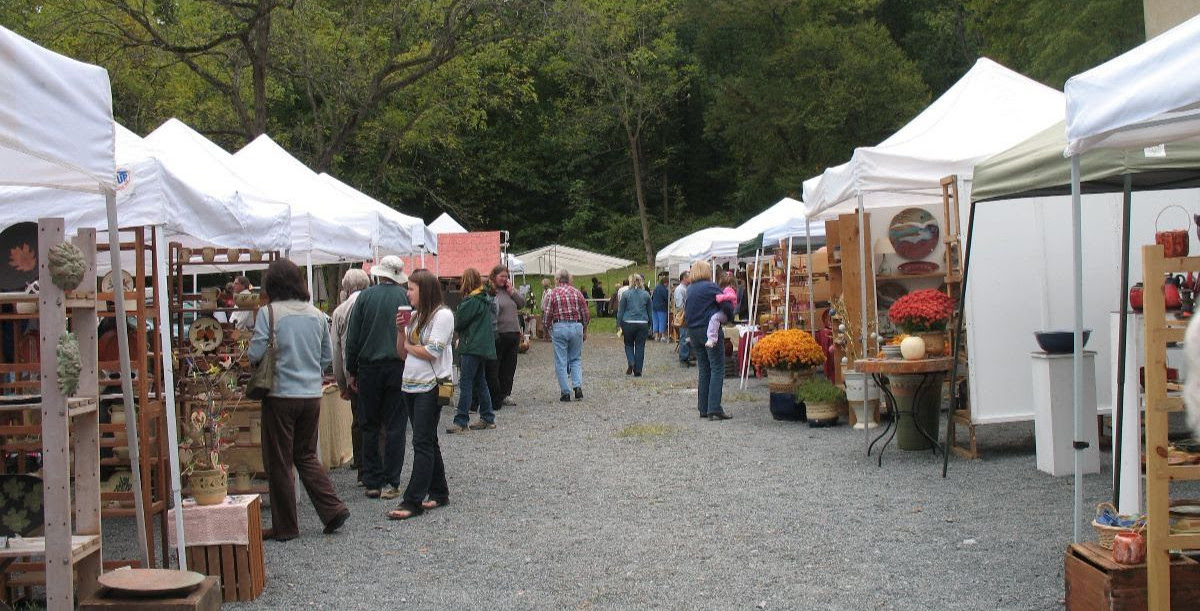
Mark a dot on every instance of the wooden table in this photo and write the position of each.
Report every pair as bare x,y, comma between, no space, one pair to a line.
913,388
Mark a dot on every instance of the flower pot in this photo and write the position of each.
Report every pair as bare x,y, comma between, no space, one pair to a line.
786,380
209,254
233,255
822,414
256,255
863,396
785,407
210,486
935,343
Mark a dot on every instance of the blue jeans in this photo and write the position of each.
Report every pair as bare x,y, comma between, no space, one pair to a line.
634,334
472,384
710,362
568,354
381,406
428,477
659,317
685,347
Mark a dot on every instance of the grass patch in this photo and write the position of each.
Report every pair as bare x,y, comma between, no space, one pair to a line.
646,431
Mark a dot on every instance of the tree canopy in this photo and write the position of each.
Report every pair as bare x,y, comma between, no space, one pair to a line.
612,125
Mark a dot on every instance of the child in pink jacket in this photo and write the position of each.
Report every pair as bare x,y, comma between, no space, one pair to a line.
728,293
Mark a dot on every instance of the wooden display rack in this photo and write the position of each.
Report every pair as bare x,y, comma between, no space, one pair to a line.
1159,404
21,425
184,309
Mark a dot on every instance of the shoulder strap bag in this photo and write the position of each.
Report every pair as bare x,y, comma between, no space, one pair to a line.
262,380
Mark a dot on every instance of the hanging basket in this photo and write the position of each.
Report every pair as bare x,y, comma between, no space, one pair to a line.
1174,241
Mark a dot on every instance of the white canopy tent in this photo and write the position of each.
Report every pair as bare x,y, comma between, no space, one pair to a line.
314,239
422,239
446,224
1144,98
700,245
292,180
56,131
549,259
514,264
785,219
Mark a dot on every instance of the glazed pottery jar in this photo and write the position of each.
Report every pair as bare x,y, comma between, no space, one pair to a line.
1135,297
1129,547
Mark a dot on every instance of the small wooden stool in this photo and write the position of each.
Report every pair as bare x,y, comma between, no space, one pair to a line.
206,597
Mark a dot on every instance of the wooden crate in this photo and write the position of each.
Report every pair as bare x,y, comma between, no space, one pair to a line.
206,597
239,567
1094,581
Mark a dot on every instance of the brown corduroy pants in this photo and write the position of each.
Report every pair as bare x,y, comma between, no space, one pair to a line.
289,439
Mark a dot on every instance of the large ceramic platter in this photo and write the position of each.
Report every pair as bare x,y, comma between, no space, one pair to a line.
106,283
206,334
151,582
914,233
18,257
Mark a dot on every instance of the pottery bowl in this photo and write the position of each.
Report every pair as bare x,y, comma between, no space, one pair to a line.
1059,342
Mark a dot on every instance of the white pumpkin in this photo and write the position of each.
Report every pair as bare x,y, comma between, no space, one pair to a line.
912,348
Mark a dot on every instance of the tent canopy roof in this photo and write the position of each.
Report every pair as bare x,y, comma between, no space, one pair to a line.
1146,96
56,118
549,259
1036,167
420,235
696,245
446,224
989,110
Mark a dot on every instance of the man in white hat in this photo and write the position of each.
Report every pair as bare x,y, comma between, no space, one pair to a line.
375,372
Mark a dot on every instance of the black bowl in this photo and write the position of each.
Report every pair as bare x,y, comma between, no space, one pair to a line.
1059,342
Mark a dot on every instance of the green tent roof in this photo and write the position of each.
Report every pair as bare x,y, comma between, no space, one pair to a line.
1036,167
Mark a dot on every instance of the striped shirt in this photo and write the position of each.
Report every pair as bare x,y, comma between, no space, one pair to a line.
564,303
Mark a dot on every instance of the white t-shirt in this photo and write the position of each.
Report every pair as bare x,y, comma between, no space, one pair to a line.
421,375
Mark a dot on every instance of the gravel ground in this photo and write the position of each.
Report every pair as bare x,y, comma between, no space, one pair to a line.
628,500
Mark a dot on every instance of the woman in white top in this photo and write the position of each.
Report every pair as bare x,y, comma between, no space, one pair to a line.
424,344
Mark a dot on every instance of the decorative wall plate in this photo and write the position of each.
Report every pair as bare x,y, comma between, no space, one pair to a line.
918,267
18,257
106,283
205,334
914,233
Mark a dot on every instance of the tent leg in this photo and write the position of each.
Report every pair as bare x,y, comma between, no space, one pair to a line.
1080,443
312,293
862,257
171,410
812,321
131,424
956,336
1122,340
752,308
787,291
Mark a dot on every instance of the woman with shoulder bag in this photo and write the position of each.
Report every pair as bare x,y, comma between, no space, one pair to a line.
292,409
424,343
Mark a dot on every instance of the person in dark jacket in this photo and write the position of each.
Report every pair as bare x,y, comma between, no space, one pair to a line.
658,306
476,344
376,373
598,295
710,362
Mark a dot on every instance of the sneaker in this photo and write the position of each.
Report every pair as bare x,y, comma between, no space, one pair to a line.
392,492
565,398
578,393
480,425
455,429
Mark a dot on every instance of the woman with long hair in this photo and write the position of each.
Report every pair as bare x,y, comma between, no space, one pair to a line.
633,315
509,302
476,346
292,409
700,306
424,343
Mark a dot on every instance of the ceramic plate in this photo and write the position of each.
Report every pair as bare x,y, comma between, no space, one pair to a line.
18,257
106,283
151,582
206,334
914,233
918,267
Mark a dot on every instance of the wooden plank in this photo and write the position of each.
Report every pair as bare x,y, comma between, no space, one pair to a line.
229,572
241,570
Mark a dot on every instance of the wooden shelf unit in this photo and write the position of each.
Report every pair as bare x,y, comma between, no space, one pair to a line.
1159,332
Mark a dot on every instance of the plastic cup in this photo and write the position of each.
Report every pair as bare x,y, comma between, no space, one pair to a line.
405,313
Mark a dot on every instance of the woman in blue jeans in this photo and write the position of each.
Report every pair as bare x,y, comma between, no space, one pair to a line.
476,346
633,314
701,304
424,343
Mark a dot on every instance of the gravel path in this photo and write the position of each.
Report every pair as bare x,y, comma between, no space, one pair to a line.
628,500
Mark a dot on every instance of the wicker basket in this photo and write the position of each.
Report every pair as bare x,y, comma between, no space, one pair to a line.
822,411
1104,532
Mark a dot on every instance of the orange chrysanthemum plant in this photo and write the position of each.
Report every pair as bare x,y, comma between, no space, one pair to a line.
922,311
792,350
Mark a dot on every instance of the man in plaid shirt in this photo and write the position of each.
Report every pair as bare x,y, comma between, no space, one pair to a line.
566,317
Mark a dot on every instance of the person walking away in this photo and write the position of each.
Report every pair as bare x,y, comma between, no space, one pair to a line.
728,295
710,362
353,282
658,304
633,315
376,373
424,342
685,348
242,319
476,344
566,317
292,409
508,332
598,297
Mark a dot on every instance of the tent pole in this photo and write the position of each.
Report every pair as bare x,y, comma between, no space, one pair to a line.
1122,341
308,265
752,308
1080,442
862,258
956,337
164,338
787,291
131,424
812,321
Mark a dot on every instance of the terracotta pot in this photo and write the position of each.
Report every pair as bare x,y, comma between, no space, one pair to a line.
209,254
210,486
1129,547
233,255
935,343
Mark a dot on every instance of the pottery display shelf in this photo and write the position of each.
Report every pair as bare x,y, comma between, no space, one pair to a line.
913,389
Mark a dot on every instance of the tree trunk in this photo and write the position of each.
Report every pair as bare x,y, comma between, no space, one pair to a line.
635,155
666,217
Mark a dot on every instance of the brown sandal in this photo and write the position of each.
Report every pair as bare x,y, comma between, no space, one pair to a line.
404,511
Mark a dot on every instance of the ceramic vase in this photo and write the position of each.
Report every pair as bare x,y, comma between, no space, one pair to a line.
935,343
209,486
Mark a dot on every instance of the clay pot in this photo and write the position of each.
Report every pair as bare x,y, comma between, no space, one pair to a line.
233,255
1129,547
210,486
1136,293
935,343
256,255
